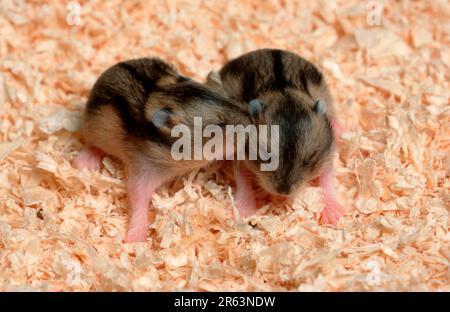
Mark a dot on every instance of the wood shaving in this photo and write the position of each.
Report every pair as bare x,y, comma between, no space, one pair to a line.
62,229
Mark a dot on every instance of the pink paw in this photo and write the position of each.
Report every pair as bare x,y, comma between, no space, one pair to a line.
89,158
246,208
136,234
332,212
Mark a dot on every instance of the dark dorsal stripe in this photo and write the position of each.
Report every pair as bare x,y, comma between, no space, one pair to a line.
188,92
304,82
295,122
248,85
279,75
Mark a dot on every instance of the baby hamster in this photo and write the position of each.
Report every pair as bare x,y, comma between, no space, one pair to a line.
281,88
130,113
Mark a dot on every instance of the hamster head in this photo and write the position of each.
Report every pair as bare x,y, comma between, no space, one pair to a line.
182,102
305,140
185,100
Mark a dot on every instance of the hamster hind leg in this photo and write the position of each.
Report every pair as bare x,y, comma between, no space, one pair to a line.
90,158
141,187
245,196
333,210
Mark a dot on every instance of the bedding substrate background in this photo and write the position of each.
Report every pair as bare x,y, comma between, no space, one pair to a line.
62,229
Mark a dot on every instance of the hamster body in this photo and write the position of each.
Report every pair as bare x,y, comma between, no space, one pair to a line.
292,93
130,113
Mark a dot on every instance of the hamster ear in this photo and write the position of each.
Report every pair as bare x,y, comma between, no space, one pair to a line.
160,118
256,107
320,107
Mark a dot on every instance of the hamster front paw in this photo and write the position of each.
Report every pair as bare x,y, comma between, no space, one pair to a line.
332,212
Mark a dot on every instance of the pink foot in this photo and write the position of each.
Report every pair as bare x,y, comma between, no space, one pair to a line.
89,158
333,211
245,197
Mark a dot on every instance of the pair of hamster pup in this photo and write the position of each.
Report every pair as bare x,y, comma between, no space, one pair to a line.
134,105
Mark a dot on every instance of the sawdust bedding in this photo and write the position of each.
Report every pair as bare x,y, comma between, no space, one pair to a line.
62,229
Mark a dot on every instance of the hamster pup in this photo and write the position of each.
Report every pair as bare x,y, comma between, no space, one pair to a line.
130,113
281,88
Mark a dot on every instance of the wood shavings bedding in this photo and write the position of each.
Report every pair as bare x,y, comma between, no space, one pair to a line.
62,229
